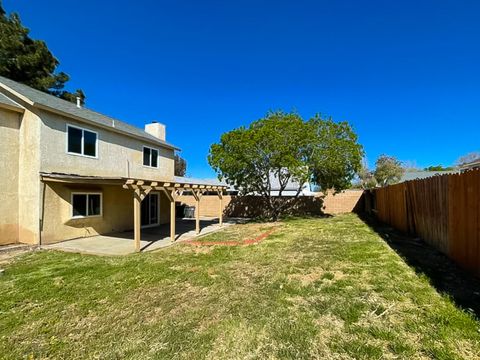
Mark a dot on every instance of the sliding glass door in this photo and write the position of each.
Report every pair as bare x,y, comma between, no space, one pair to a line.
150,210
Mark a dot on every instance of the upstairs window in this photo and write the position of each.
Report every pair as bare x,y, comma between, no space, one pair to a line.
81,141
86,205
150,157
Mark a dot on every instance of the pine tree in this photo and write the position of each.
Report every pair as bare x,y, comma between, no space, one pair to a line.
29,61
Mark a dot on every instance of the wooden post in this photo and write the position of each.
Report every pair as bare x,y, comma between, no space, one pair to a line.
136,218
172,195
197,194
197,217
172,220
220,209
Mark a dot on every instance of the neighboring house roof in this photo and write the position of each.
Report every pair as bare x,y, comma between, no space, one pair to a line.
292,186
189,180
55,104
471,165
413,175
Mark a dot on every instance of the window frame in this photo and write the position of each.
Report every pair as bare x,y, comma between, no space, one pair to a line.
87,193
158,157
82,143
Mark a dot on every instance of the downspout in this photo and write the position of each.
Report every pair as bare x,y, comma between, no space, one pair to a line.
42,211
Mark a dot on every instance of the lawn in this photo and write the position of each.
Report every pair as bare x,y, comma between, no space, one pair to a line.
326,288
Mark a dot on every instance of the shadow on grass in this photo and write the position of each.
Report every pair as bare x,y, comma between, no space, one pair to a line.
446,276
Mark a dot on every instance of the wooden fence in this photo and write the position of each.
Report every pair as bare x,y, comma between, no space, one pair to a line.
443,210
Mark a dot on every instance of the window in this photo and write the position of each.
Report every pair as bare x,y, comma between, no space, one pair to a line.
150,157
86,204
81,141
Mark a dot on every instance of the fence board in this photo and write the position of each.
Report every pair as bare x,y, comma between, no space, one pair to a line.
442,210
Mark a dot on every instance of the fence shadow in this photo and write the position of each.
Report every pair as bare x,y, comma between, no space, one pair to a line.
446,276
255,206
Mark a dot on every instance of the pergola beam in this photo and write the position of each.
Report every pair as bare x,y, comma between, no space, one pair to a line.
141,188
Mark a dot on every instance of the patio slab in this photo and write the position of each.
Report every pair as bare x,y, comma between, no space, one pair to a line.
153,238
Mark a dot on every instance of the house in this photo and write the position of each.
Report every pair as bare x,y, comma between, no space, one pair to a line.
70,172
291,188
475,164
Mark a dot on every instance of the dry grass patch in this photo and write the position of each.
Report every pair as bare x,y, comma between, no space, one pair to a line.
315,289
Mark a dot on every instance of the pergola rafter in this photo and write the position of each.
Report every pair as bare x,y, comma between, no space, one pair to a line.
172,190
141,188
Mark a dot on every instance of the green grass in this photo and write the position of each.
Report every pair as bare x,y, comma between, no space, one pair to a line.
316,288
240,232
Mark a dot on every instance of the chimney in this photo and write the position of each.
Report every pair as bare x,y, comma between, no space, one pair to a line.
156,129
79,102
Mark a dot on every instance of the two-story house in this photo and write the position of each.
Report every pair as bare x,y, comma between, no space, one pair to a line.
69,172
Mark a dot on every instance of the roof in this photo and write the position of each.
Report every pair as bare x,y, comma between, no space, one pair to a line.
291,183
188,180
9,103
53,103
470,165
413,175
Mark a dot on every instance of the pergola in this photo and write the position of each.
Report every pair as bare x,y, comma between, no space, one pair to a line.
172,189
141,188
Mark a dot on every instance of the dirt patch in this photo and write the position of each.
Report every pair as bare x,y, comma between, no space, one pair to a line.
10,253
316,274
243,242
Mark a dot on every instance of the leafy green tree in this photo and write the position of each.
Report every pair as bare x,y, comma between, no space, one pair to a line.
336,153
438,168
388,170
285,147
30,61
180,166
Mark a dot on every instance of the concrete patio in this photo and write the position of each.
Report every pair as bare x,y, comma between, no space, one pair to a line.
152,238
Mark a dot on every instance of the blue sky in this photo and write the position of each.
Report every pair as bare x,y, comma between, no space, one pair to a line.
405,74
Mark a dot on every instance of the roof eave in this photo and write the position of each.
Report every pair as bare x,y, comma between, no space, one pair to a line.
17,109
15,94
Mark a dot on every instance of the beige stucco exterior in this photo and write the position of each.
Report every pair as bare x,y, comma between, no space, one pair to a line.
33,140
344,202
9,156
117,212
118,154
29,179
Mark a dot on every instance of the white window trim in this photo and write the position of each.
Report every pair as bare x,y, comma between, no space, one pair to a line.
158,157
82,154
86,199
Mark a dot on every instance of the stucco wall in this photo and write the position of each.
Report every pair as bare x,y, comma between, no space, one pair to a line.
118,155
343,202
29,179
117,214
9,152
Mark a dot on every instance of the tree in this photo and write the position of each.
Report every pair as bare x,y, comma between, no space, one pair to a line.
366,177
388,170
438,168
336,153
180,166
30,61
468,158
284,146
